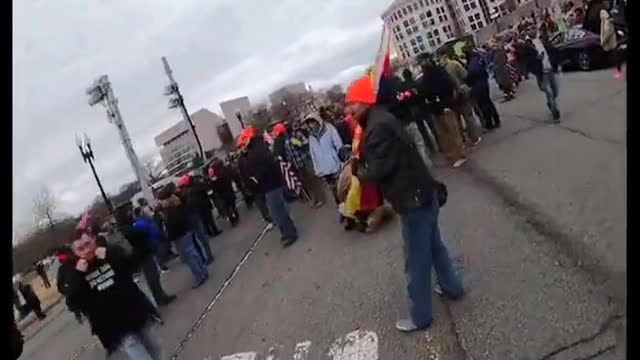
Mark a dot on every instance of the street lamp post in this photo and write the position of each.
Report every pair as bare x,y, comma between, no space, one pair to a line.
87,155
239,116
177,101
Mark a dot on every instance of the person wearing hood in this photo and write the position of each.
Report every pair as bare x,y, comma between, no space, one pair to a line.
262,169
67,261
389,158
609,41
324,144
101,285
296,148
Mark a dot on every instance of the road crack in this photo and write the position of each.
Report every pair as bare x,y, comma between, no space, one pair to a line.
604,327
565,239
598,353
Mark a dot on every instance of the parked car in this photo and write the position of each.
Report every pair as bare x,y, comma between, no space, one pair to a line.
579,49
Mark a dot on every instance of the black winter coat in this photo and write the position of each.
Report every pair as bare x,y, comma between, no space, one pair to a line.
64,278
107,295
533,61
177,222
260,164
437,87
390,159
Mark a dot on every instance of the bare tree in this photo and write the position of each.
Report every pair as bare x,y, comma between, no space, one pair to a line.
44,206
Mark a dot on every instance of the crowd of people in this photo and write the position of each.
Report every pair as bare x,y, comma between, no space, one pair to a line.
373,153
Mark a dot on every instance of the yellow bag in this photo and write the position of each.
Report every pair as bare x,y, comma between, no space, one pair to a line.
352,203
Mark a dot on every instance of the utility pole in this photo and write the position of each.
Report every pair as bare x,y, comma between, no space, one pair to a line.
176,100
87,155
102,93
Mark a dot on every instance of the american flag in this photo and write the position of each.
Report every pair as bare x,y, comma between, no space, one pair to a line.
291,179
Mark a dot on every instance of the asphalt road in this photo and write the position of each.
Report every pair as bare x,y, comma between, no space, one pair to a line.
536,224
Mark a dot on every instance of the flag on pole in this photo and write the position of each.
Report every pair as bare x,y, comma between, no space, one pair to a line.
382,67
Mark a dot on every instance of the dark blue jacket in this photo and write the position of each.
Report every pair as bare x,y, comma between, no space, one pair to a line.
150,228
476,69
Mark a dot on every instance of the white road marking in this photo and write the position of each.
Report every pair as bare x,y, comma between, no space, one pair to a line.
215,299
356,345
272,354
302,350
242,356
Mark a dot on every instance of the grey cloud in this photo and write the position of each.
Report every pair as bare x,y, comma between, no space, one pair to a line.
218,49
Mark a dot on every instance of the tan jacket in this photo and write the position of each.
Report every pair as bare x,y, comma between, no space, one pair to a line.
457,72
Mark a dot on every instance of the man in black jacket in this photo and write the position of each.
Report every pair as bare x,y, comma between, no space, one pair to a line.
263,171
542,61
191,205
388,157
439,90
261,203
221,183
143,248
180,231
101,286
67,265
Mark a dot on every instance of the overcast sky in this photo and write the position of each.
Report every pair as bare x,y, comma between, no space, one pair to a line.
218,49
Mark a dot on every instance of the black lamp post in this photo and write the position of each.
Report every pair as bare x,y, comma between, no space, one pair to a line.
87,155
239,116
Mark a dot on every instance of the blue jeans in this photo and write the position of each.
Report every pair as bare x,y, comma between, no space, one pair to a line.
201,239
423,249
187,249
277,206
547,83
143,345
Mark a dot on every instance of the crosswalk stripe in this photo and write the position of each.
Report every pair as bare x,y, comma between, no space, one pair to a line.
273,354
356,345
302,350
241,356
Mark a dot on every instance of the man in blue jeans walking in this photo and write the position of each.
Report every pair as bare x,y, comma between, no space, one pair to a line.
388,157
262,170
541,60
178,224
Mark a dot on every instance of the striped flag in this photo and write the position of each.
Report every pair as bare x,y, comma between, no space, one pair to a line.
380,74
291,179
381,71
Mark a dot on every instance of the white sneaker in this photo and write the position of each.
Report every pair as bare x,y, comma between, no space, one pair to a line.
406,325
269,226
459,162
477,141
438,290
